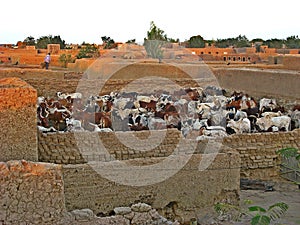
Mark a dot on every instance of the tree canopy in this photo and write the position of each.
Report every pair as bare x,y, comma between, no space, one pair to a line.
43,41
88,51
29,41
238,42
156,33
108,42
293,42
196,42
155,40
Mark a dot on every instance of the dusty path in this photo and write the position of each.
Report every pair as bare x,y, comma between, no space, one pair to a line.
283,192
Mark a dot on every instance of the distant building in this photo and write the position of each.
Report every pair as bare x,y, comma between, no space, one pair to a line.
53,49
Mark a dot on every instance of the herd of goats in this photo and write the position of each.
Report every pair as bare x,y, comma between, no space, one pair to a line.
206,112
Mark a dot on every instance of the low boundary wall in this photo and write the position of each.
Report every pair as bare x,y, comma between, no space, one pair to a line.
257,151
186,193
260,81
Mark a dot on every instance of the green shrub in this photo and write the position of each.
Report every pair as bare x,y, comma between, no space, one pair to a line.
65,59
88,51
258,214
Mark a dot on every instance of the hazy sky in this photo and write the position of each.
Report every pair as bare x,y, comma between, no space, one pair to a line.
122,20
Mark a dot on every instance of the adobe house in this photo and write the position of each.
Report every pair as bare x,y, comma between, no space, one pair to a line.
53,49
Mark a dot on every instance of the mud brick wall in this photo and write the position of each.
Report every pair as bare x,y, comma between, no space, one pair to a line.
189,189
25,74
69,149
17,120
258,152
49,87
31,193
291,62
258,81
59,148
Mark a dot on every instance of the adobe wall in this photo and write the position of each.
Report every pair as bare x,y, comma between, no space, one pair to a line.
259,159
193,191
66,148
291,62
17,120
260,82
257,151
85,188
36,57
33,74
254,81
31,193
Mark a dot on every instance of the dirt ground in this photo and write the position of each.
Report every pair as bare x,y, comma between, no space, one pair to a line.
284,191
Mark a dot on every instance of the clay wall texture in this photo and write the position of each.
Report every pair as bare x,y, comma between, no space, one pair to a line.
291,62
31,193
259,159
70,149
256,82
17,120
192,191
36,57
260,82
85,188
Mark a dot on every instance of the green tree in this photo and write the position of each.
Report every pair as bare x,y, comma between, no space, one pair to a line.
58,40
29,41
155,40
257,40
293,42
222,43
43,41
109,43
88,51
242,41
132,41
196,42
65,59
156,33
274,43
238,42
171,40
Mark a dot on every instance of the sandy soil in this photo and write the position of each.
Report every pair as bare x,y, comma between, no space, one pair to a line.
284,191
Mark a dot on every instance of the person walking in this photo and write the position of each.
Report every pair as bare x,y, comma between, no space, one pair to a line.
47,60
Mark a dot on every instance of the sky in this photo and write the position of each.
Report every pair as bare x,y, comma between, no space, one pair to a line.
123,20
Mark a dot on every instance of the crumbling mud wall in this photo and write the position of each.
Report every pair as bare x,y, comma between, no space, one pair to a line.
31,193
188,192
17,120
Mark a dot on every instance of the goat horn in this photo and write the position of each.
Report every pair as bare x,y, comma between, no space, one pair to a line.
41,115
